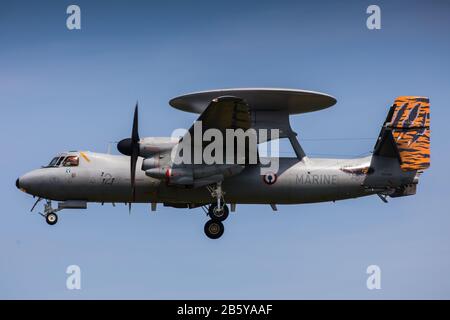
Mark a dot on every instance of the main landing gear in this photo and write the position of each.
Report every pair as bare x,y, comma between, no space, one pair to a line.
214,229
218,212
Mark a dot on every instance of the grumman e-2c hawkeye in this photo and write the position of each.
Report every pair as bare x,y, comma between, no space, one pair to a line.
401,153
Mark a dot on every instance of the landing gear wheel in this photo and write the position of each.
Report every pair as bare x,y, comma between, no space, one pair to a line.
216,214
214,229
51,218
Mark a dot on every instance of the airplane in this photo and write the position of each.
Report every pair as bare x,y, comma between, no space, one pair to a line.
146,170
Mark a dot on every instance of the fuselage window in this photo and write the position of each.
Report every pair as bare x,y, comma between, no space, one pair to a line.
71,161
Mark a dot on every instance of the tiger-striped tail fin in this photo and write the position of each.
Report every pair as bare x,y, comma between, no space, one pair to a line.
406,133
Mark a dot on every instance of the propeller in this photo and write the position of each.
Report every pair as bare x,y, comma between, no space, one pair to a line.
130,147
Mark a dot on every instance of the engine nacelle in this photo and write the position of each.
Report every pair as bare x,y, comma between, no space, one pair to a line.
150,146
151,163
225,170
194,176
175,176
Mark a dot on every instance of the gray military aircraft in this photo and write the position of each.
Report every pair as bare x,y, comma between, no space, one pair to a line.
147,172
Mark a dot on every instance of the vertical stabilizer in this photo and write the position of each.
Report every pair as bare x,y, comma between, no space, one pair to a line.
406,133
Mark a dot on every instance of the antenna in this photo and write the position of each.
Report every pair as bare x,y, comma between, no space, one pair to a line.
109,146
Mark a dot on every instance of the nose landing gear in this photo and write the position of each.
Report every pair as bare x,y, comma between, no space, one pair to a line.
51,218
50,213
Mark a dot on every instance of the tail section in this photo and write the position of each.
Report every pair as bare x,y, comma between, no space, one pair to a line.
406,133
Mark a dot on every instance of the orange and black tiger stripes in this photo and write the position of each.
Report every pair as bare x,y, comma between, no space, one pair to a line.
410,125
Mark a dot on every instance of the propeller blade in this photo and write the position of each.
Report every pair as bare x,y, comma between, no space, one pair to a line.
130,147
125,146
135,131
134,150
133,161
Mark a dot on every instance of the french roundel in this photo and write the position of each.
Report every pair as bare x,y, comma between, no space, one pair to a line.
270,178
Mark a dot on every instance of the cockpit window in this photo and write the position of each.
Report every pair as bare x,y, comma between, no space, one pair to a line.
53,162
58,163
65,161
71,161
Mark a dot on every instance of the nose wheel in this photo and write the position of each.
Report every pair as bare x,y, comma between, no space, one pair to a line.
49,213
51,218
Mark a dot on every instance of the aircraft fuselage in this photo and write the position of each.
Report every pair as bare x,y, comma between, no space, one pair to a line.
106,178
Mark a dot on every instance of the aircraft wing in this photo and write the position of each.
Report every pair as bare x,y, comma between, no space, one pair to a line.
233,109
221,115
200,157
225,112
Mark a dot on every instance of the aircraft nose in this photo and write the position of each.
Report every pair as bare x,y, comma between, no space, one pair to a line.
30,182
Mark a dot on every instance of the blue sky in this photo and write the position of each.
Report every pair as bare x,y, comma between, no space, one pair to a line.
64,90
